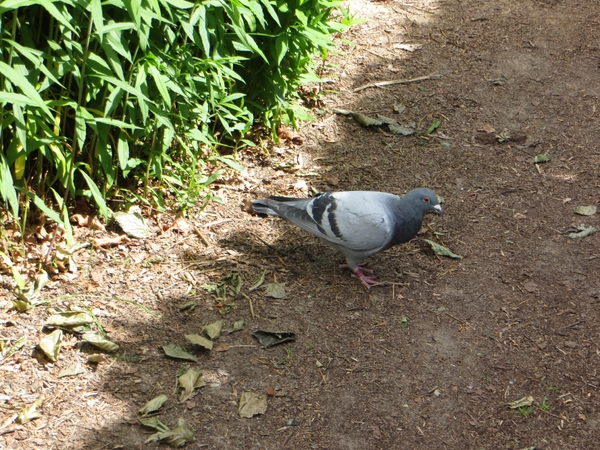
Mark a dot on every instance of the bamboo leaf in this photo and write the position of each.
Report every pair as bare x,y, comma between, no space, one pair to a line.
200,14
97,17
123,150
281,47
23,83
160,84
53,10
96,194
41,205
14,98
80,128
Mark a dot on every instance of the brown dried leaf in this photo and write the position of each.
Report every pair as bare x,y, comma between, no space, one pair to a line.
252,403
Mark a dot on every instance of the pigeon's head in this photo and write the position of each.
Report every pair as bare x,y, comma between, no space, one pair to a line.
423,200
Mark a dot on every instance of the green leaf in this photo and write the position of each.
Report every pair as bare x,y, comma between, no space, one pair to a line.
271,11
161,85
586,210
200,12
96,13
432,128
123,150
53,10
582,231
153,422
71,371
541,158
441,250
28,89
19,343
80,128
98,198
281,47
7,188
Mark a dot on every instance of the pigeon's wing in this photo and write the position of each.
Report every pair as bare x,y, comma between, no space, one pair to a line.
359,221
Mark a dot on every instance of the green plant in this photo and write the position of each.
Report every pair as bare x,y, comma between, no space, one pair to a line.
544,405
525,411
135,101
288,354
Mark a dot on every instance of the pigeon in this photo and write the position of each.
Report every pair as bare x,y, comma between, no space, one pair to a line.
357,223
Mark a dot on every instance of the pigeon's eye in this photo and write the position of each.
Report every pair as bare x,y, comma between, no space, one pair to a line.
426,199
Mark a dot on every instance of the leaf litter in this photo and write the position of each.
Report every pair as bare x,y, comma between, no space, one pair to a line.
50,344
252,404
439,249
176,437
31,412
270,338
178,352
189,381
153,405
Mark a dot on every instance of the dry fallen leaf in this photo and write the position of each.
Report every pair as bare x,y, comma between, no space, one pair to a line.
100,341
31,412
50,344
196,339
586,210
531,287
213,330
252,403
177,351
222,347
188,382
487,128
91,222
176,437
111,240
441,250
153,405
525,401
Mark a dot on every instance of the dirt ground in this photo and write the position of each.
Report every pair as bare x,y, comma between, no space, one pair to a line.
428,361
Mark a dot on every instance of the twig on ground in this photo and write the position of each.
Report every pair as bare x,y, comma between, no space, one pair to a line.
403,81
201,236
216,222
457,319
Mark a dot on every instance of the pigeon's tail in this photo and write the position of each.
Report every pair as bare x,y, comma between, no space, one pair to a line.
261,208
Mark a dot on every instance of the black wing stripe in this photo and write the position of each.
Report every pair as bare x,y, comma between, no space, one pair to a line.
332,220
319,206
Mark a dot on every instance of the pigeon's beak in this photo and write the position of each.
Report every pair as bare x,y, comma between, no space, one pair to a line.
438,209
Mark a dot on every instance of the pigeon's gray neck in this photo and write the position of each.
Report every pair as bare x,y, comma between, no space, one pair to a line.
407,227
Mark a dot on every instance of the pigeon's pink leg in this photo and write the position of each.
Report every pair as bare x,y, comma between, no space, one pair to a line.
360,274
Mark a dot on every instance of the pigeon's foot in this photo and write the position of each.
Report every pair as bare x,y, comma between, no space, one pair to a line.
360,274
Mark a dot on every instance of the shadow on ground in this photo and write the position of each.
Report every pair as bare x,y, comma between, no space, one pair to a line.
431,360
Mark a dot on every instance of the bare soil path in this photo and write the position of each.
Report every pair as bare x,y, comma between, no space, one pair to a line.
428,361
